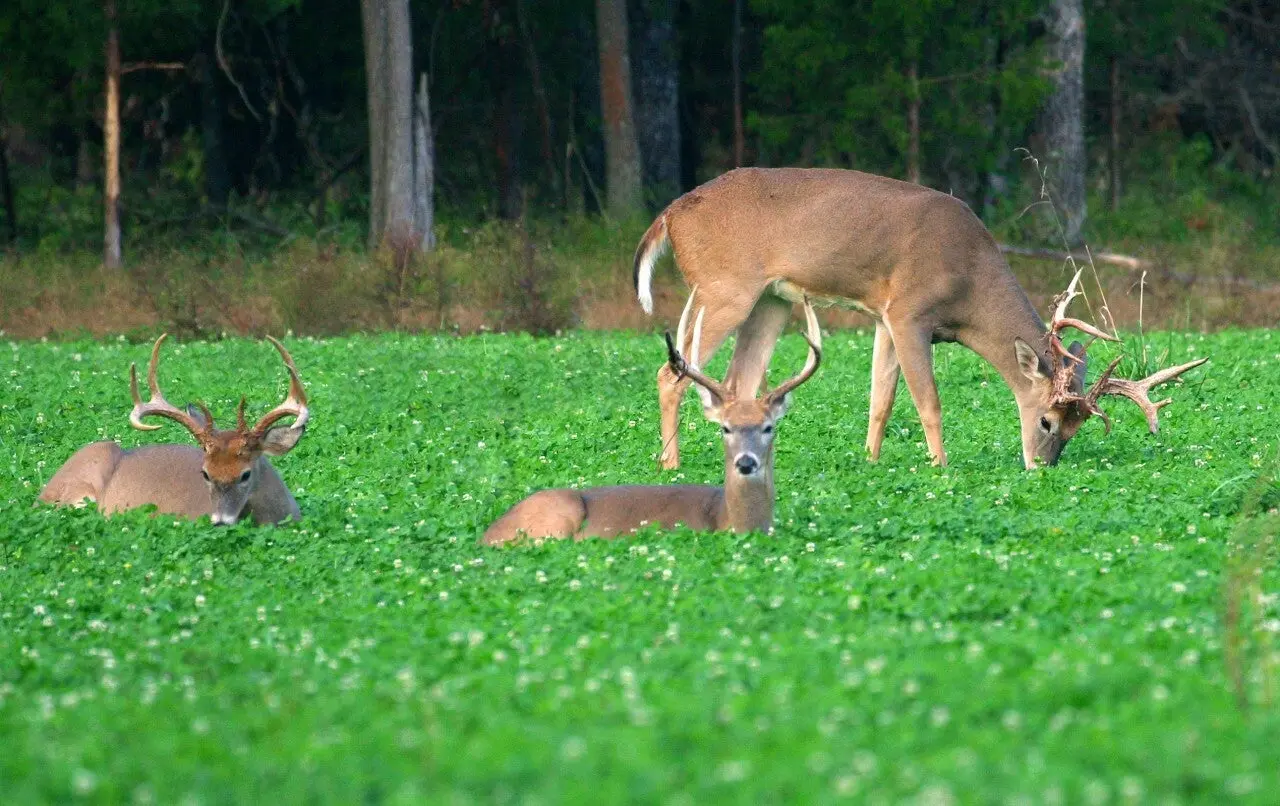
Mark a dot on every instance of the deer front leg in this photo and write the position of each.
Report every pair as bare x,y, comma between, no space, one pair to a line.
884,386
913,344
1029,420
671,391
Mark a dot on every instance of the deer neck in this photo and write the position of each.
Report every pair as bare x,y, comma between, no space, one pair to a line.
1007,314
748,500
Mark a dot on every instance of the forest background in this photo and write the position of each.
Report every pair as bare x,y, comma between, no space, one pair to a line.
252,166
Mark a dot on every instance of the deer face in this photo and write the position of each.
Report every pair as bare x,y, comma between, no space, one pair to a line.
747,427
1052,417
232,458
232,465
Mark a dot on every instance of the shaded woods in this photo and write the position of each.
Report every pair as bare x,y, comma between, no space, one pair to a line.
450,163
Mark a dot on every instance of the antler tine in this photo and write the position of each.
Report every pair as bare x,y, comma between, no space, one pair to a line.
686,368
813,335
1061,320
1139,391
294,405
157,406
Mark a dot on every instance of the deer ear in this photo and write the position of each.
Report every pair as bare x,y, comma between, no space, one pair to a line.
1030,364
779,406
1078,369
279,441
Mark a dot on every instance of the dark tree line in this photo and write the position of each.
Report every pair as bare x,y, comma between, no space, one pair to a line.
384,111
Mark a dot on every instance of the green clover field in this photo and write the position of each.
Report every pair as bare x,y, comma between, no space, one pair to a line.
971,634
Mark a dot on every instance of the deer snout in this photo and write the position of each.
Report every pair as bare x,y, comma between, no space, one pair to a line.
224,518
747,464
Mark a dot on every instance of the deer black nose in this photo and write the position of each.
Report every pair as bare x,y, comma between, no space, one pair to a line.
746,464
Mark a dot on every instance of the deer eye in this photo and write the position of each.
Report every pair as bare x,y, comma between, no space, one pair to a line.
1045,424
204,473
726,429
245,476
768,429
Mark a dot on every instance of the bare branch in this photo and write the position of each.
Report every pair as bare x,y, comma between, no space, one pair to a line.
226,68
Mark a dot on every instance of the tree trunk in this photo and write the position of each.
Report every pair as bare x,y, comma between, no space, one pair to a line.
656,84
540,100
111,256
217,179
504,66
399,125
374,23
1113,144
424,169
389,78
913,123
622,151
1062,118
6,188
739,136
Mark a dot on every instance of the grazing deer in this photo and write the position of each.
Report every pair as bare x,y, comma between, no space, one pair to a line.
743,504
227,477
754,241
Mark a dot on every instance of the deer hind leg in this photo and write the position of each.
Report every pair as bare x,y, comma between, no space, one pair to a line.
84,476
721,319
753,349
884,387
913,343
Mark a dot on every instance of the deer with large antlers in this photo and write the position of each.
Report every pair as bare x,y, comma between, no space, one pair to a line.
754,241
227,477
743,504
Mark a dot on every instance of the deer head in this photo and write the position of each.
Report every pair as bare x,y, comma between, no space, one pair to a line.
231,466
1059,400
746,425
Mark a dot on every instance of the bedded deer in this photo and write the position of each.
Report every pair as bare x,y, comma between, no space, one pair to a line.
755,240
743,504
227,477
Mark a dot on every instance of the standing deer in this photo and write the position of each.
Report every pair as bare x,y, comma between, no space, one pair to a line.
754,241
743,504
227,477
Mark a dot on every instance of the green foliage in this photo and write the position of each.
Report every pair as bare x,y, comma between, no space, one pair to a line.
833,86
973,634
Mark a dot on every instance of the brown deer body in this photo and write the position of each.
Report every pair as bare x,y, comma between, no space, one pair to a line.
743,504
754,241
228,477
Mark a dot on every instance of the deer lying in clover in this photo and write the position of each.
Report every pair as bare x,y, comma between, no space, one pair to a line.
743,504
757,240
227,477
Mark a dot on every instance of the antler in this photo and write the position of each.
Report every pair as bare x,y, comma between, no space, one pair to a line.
1062,357
813,335
679,364
1061,320
1137,391
294,405
157,406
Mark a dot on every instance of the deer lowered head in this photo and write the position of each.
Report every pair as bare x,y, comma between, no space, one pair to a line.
233,458
1058,399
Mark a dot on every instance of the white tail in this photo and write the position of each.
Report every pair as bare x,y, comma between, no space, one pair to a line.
754,241
653,245
744,503
227,477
